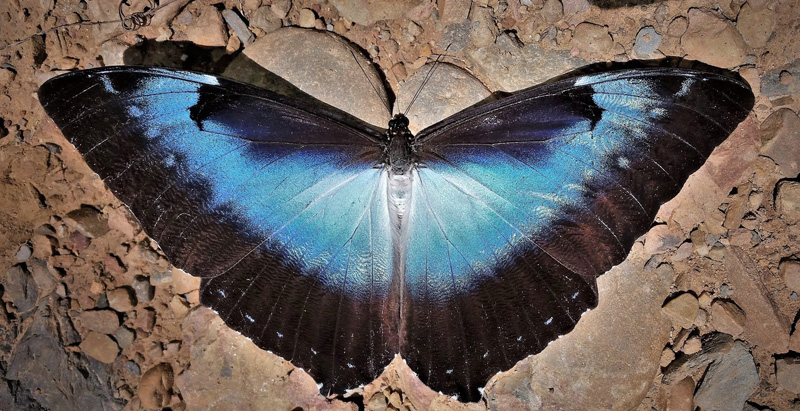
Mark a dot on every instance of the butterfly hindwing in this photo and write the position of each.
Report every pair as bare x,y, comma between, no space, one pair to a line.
281,209
521,203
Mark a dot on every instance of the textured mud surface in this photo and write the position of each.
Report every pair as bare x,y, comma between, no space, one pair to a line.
701,314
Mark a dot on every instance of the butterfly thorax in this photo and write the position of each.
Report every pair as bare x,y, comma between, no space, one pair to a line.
399,152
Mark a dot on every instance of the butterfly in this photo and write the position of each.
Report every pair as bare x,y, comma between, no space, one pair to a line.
336,244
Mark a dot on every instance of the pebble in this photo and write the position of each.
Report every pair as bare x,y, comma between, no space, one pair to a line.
454,11
592,39
765,325
682,310
729,382
183,283
727,317
684,251
20,288
322,65
265,20
209,30
755,25
781,81
677,26
121,299
788,373
711,39
660,238
790,272
100,347
101,321
552,11
780,133
509,42
281,8
6,76
377,402
449,90
680,396
155,387
482,27
574,6
692,345
307,18
647,41
133,368
239,27
788,200
89,221
159,277
124,336
144,290
23,253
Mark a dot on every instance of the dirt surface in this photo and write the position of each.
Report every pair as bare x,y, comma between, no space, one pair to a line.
94,317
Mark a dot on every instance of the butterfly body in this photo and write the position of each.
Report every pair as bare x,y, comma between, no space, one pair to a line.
399,151
335,245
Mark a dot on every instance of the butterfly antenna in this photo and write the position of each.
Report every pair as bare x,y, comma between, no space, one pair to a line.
425,80
380,96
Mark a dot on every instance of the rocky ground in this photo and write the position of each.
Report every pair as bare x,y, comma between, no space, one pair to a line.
702,314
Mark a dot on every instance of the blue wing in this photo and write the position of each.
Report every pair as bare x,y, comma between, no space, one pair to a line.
280,208
520,204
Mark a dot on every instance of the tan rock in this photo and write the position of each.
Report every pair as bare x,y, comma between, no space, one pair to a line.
552,11
680,396
592,39
764,324
336,78
629,305
677,26
729,381
89,222
227,368
780,133
788,373
660,238
790,272
121,299
454,11
692,345
367,12
727,317
713,40
183,283
155,387
449,90
666,357
307,18
788,201
102,321
682,310
755,25
100,347
209,30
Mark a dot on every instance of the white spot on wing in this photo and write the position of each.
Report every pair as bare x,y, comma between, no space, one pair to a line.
549,320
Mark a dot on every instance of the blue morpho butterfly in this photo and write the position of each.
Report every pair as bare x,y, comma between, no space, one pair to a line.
334,244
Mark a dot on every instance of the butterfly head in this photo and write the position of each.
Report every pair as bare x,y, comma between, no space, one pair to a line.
398,124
